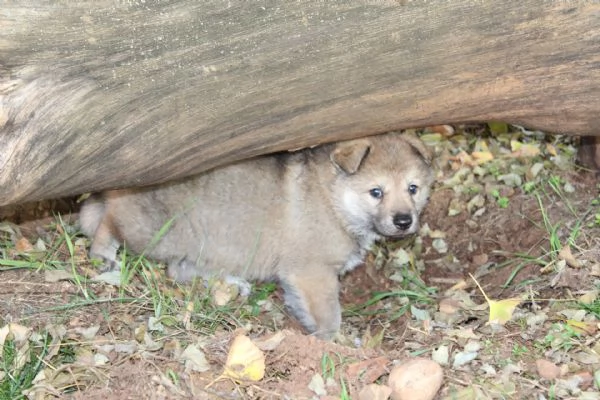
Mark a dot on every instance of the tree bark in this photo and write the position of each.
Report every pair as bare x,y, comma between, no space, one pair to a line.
97,94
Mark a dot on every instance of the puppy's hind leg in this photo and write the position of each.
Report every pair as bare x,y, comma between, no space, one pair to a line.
96,224
313,298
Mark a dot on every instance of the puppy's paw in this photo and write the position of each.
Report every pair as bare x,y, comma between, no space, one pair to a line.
105,264
244,287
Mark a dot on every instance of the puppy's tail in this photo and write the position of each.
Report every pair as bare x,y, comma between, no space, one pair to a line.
91,214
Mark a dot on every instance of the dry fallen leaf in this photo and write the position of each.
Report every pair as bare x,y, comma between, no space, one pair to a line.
194,359
444,130
367,371
449,306
524,149
272,342
23,245
582,327
245,361
482,157
566,254
588,297
551,149
56,275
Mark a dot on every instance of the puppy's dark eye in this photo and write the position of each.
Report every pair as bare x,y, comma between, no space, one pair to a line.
412,189
376,193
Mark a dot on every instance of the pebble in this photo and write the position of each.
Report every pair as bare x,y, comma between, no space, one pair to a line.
547,369
417,379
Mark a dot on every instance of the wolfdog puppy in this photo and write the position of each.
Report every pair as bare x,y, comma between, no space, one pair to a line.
300,218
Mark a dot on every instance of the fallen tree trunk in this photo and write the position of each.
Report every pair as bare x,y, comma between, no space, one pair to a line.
96,94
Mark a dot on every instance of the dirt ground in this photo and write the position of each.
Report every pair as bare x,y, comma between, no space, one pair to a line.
413,299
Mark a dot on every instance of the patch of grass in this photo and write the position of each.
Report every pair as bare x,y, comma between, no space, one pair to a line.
260,293
208,317
328,372
19,365
559,337
502,201
593,308
397,257
596,220
67,353
519,350
545,193
327,366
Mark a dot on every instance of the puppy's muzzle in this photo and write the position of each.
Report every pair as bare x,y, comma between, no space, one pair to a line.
403,221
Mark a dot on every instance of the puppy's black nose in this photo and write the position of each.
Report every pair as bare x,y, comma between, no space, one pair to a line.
403,221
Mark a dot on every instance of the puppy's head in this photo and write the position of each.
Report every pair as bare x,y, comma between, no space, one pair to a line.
382,184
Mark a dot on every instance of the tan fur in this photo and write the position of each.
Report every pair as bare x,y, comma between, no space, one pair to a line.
301,218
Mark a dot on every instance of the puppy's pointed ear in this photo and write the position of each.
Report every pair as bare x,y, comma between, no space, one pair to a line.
348,156
418,147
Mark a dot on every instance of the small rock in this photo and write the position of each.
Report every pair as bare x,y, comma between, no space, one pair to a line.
374,392
480,259
441,355
417,379
440,246
547,369
317,385
463,357
569,188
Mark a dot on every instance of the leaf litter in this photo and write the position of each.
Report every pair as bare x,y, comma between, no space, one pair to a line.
509,208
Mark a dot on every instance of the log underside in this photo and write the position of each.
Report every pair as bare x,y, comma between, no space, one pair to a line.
95,95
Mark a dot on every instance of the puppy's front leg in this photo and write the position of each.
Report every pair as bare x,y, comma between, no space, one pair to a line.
104,247
312,295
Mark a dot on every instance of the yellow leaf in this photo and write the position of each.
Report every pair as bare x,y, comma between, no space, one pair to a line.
481,157
582,327
498,128
481,145
515,145
551,149
524,149
501,311
530,150
245,361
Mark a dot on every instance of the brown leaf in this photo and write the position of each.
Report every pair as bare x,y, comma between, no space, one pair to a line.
566,254
368,371
23,245
449,306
